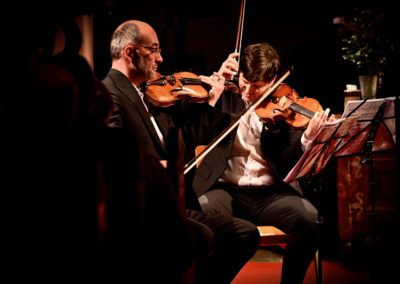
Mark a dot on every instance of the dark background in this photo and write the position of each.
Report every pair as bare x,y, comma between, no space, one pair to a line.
197,36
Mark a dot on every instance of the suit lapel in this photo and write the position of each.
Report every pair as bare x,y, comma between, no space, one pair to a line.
131,94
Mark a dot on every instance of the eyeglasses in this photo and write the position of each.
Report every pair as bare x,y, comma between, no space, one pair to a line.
153,50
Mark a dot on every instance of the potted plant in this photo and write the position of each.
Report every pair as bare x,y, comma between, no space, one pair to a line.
367,45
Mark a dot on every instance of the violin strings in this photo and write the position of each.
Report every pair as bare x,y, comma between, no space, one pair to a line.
302,110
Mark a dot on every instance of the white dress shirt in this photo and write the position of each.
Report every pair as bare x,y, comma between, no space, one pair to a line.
246,166
153,121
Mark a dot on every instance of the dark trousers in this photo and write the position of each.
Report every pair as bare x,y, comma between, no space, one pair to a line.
280,206
234,242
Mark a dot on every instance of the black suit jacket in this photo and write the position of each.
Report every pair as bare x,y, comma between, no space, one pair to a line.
130,114
199,122
281,147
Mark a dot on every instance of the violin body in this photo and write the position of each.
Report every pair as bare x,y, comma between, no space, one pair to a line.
285,104
166,90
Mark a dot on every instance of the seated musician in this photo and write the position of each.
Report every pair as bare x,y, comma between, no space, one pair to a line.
243,175
136,55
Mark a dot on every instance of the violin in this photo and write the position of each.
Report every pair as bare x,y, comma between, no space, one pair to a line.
166,90
196,160
285,104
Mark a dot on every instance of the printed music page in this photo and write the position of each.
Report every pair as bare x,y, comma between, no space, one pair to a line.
330,138
385,137
347,136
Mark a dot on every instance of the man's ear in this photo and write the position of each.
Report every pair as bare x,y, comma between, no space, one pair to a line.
130,51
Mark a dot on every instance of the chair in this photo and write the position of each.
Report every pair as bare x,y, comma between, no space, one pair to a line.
272,236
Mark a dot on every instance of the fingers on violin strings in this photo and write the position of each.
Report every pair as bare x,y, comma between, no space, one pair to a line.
316,114
218,77
208,80
326,112
204,78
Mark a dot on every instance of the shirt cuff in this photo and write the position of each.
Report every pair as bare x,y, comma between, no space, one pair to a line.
304,141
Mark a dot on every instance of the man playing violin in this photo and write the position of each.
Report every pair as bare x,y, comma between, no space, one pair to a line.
136,55
243,175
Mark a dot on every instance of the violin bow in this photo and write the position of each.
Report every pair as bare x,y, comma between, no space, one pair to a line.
238,46
234,124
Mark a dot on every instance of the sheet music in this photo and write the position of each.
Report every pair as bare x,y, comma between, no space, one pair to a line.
330,137
366,110
347,136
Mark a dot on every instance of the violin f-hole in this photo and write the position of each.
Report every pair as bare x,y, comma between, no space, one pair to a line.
275,110
177,89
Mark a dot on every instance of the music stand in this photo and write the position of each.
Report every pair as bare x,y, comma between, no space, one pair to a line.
365,126
375,129
362,122
328,140
375,132
315,158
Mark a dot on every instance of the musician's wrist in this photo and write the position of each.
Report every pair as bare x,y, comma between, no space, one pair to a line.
306,136
305,141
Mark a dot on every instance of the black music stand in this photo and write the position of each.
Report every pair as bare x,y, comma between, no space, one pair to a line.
365,127
375,129
322,148
314,160
364,123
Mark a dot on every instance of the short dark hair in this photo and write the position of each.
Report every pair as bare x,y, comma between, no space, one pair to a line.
259,62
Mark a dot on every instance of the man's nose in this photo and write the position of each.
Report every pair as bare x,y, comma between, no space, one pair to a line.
159,57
